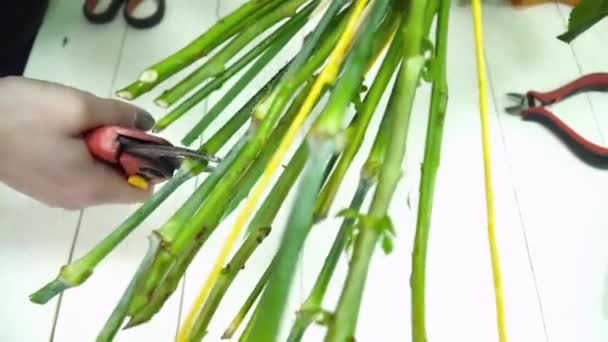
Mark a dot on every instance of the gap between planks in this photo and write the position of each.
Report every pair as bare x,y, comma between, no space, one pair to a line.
82,211
509,167
564,17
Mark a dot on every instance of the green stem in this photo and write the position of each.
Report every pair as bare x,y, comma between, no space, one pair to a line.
197,130
207,217
343,324
271,44
265,326
216,64
267,212
78,271
143,307
263,218
369,174
227,275
257,167
318,44
153,291
432,156
363,119
245,112
219,107
322,139
246,182
253,296
252,173
163,290
199,47
269,209
311,307
113,323
199,227
179,218
212,145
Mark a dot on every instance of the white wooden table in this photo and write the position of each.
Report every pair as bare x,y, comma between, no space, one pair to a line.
551,222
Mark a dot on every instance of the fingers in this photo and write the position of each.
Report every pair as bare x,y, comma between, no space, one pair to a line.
73,109
112,187
98,111
81,181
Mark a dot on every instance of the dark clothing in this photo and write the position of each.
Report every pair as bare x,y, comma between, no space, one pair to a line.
19,24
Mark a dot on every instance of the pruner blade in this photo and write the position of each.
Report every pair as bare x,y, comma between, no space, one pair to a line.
159,151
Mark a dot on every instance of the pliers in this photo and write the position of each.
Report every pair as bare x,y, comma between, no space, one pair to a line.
143,158
531,107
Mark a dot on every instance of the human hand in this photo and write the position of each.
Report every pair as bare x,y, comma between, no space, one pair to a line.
43,154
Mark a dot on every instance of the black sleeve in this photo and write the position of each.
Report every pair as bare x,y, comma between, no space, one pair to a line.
19,24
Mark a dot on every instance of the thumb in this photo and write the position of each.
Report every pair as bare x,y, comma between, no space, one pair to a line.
104,112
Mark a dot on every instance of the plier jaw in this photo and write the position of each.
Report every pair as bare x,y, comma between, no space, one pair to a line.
522,102
144,159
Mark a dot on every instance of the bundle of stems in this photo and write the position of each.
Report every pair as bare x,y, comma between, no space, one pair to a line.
323,83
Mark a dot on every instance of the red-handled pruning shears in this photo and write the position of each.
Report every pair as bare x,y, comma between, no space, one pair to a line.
531,106
145,159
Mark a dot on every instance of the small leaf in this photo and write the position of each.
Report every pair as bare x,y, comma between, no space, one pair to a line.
584,16
386,226
387,244
349,213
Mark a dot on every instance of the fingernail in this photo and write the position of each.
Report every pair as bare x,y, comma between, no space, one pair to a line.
143,120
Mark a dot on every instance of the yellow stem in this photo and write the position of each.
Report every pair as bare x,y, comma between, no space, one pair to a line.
327,76
478,29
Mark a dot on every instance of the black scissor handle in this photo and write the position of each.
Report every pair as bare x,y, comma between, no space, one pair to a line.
130,5
102,17
145,22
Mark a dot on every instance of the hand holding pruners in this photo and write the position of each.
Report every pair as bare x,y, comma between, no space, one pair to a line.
144,159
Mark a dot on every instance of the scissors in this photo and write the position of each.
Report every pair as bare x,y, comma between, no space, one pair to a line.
107,15
143,158
531,105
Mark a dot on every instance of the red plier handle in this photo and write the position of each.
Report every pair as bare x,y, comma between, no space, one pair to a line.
531,107
144,159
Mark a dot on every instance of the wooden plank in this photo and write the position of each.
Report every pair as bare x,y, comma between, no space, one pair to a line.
588,50
184,21
558,194
69,50
258,262
588,295
460,293
37,239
